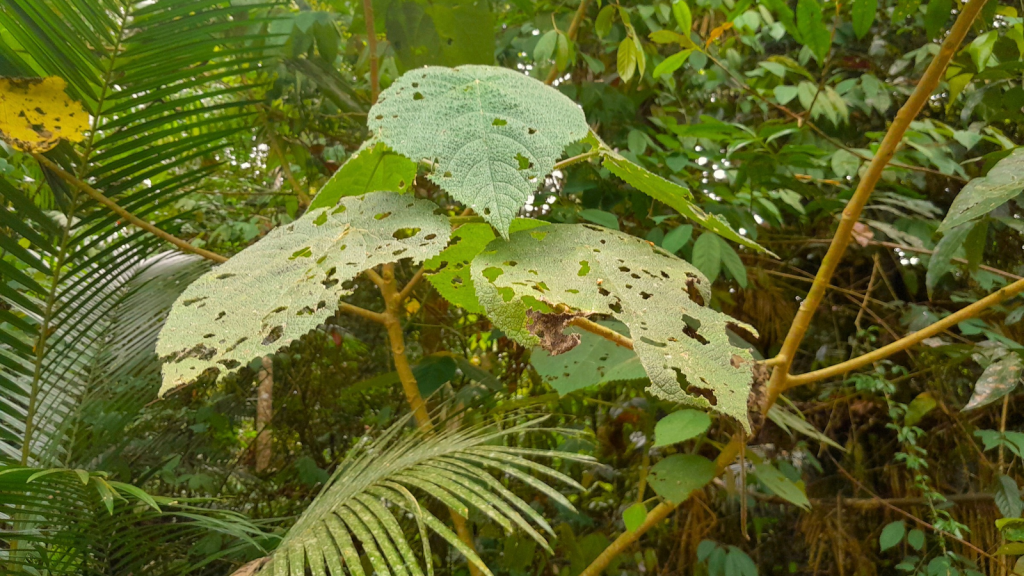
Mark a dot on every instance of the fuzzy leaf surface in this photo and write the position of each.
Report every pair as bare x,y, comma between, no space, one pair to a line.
290,281
683,345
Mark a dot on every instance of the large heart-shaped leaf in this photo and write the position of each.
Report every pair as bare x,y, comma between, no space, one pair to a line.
683,345
291,281
491,134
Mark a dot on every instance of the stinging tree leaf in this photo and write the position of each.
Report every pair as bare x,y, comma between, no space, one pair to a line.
491,134
683,345
291,281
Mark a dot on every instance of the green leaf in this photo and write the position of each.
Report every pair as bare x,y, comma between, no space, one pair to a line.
981,49
626,60
982,195
903,9
606,219
1007,497
634,516
671,194
974,244
863,16
919,407
545,47
1012,529
491,134
448,272
594,361
737,563
844,163
942,260
891,535
681,10
290,281
935,17
915,538
680,426
519,282
778,483
675,477
733,264
442,32
813,32
707,255
603,23
790,422
671,64
785,93
372,169
677,238
999,379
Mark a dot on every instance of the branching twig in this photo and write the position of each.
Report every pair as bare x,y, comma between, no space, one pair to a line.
113,206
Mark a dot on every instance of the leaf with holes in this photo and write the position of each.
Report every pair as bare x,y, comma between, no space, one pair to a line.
982,195
289,282
682,344
35,113
374,168
448,272
491,134
592,362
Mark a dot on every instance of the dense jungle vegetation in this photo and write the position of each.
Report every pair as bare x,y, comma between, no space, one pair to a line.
511,288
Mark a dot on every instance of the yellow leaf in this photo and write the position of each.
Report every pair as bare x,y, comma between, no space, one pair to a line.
413,306
717,32
35,113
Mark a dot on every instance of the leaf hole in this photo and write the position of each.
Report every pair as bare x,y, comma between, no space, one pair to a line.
645,295
499,122
492,273
524,162
225,276
275,334
381,216
532,131
403,233
584,268
417,96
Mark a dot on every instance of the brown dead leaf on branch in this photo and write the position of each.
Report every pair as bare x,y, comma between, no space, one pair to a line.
35,114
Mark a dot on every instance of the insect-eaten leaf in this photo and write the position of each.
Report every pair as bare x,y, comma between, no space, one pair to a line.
491,134
291,281
999,379
373,168
35,114
675,477
683,345
594,361
448,272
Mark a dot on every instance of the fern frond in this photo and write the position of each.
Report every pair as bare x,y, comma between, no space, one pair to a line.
362,505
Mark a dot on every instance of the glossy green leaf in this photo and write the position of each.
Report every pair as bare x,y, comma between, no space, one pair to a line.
375,168
634,516
982,195
603,23
680,426
681,10
813,32
891,535
626,59
671,64
671,194
675,477
863,16
779,484
491,134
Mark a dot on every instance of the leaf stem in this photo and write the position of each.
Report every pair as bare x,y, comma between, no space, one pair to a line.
576,159
113,206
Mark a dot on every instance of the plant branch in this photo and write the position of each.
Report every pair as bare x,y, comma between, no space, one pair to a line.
371,47
606,333
407,289
392,322
113,206
576,159
286,167
851,214
574,29
369,315
784,359
906,342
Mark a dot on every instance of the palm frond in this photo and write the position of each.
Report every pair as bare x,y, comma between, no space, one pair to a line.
64,521
363,505
161,80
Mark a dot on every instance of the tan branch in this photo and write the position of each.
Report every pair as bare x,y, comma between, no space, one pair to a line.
606,333
851,214
113,206
906,342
